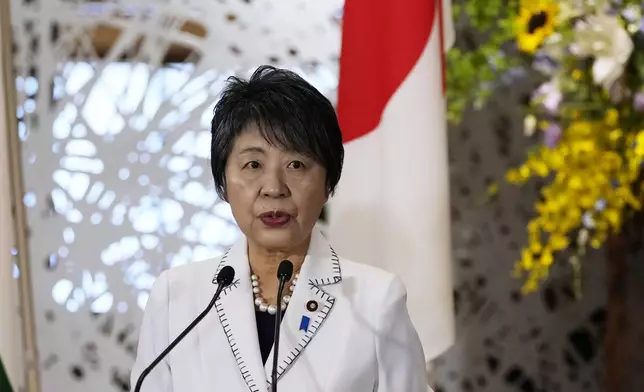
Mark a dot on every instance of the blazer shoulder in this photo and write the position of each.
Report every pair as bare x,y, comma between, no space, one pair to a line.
371,290
373,283
366,274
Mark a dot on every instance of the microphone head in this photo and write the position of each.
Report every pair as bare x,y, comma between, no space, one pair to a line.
285,270
225,276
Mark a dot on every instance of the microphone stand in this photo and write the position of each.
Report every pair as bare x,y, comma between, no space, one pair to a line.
220,287
284,273
276,339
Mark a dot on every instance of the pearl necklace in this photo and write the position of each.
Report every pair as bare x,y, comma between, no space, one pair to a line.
261,303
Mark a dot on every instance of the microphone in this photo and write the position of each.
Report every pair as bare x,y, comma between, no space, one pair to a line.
224,279
284,273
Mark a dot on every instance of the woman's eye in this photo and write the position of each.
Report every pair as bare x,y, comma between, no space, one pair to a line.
296,165
253,165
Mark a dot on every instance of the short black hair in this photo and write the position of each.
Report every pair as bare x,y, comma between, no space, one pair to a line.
290,114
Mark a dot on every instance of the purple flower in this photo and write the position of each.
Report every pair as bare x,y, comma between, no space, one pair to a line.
638,102
550,96
552,135
630,14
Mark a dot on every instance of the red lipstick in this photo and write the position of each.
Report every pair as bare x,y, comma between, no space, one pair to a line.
275,218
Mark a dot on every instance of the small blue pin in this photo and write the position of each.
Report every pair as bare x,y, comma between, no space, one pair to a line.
304,324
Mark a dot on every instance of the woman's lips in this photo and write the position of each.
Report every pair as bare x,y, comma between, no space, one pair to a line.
275,218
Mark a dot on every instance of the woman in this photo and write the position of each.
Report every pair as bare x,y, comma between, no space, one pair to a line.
276,158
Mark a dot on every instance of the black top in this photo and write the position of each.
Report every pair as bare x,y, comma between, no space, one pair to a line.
265,332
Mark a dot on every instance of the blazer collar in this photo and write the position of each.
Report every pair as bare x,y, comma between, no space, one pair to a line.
310,305
321,265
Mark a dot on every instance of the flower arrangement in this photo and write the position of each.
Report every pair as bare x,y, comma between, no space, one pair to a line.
588,115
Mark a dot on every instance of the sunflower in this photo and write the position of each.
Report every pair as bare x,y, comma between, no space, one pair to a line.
536,21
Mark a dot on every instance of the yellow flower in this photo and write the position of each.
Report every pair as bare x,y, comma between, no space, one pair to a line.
580,129
536,21
613,217
639,148
546,258
591,182
556,160
628,197
574,214
558,242
596,243
611,117
615,135
513,176
540,168
527,259
575,182
533,227
549,227
587,200
529,287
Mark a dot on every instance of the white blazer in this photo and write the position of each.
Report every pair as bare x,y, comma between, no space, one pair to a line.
360,338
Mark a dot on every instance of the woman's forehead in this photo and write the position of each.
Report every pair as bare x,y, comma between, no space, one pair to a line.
254,139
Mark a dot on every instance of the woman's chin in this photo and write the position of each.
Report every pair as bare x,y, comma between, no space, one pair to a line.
283,239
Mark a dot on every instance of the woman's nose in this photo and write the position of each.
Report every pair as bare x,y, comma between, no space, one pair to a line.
274,186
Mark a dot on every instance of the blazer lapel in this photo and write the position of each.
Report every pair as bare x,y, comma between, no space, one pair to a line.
310,305
236,314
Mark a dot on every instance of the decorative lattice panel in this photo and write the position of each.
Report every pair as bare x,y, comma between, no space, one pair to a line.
116,146
115,142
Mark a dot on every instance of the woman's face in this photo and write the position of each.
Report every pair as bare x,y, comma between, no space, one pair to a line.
276,196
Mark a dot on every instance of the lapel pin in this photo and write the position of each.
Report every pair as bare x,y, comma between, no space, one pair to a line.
304,324
312,306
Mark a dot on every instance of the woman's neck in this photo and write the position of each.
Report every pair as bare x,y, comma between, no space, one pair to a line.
264,263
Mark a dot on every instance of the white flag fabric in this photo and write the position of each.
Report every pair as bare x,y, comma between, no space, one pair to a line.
392,206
